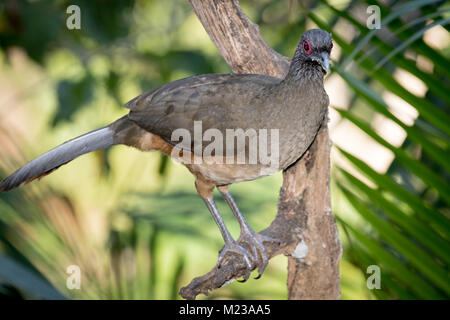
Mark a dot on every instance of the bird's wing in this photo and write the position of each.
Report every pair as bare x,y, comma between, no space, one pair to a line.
219,101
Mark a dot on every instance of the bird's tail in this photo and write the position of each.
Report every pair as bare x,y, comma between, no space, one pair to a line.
48,162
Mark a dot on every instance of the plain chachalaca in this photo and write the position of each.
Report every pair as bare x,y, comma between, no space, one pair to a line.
294,107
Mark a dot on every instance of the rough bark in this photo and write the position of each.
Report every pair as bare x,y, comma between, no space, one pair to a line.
304,223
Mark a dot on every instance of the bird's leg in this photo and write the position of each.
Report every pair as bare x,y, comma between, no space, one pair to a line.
230,244
248,236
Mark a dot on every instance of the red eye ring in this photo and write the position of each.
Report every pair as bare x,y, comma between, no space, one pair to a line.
307,47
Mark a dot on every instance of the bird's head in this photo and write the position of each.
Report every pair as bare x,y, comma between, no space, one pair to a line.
313,51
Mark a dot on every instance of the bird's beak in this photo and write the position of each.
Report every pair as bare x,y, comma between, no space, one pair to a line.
323,59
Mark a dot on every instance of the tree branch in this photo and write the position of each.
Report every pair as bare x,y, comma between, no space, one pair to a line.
304,223
238,39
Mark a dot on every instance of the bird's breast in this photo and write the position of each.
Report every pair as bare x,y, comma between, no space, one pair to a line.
301,124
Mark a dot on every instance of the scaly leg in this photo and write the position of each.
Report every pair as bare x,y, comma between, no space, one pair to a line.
230,244
252,239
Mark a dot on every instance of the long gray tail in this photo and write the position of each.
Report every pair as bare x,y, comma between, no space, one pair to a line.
48,162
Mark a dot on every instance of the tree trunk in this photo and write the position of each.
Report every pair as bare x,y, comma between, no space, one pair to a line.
304,223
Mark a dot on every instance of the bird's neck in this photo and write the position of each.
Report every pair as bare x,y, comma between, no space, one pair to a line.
304,82
301,73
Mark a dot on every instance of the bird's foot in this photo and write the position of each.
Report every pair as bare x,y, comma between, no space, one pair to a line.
255,243
234,247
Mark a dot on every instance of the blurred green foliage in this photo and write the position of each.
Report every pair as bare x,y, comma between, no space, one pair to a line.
137,229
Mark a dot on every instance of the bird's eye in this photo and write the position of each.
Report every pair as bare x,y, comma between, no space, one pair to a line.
307,47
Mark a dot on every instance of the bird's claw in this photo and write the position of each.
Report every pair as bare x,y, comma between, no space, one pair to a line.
255,242
258,256
234,247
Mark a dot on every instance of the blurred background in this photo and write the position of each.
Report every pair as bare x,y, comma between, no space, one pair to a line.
133,222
